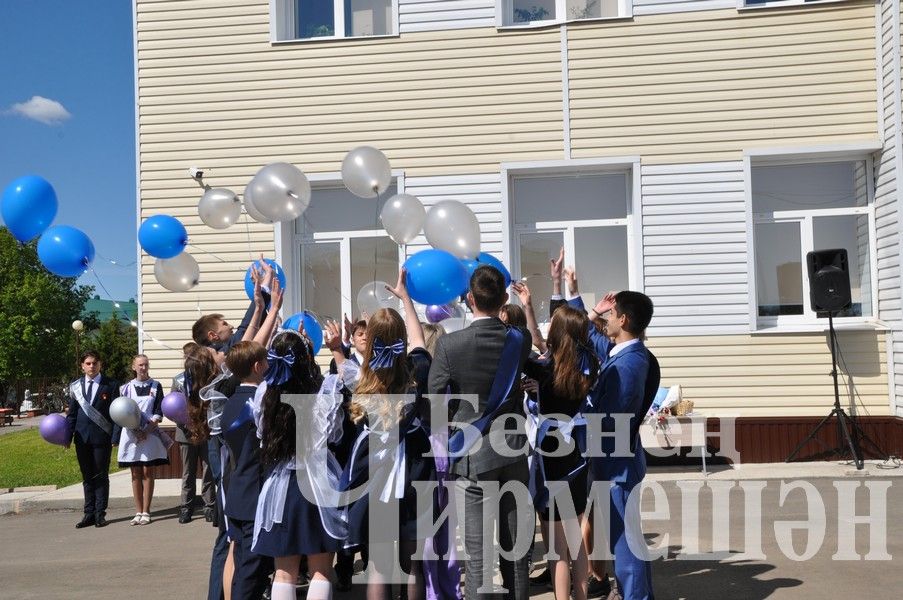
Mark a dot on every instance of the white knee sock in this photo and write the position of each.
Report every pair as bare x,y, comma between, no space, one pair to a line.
319,589
282,591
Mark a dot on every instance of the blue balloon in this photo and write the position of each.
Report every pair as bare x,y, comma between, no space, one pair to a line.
487,259
65,251
484,259
162,236
312,327
249,283
434,277
29,206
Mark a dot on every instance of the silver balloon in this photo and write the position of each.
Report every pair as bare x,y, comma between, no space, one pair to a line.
177,274
279,192
250,207
366,172
403,217
125,412
219,208
374,296
451,226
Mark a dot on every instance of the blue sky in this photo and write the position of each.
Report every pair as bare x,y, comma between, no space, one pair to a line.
77,54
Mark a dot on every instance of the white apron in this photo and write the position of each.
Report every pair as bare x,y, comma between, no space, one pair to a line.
151,448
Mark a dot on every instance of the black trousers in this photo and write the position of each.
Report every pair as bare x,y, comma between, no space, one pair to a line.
94,462
252,570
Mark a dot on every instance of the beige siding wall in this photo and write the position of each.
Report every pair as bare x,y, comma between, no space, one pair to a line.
703,86
775,374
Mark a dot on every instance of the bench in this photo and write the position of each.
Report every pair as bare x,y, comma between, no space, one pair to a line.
6,416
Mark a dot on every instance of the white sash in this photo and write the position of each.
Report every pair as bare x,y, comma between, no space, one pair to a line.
92,413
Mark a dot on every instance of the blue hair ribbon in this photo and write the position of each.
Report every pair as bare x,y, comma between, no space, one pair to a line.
384,355
280,367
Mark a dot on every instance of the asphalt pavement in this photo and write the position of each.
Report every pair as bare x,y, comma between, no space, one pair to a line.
43,556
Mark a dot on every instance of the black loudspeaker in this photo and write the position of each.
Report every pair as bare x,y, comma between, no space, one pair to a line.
829,280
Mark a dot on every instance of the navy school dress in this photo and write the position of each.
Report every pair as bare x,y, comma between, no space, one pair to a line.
559,468
418,466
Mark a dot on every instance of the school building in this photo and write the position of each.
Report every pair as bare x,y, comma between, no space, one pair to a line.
695,150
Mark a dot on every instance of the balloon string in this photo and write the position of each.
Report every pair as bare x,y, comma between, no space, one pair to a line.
198,248
103,287
375,226
116,263
248,232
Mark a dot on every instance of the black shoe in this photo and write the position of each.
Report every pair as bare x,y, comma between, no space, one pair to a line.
100,520
598,588
544,579
86,521
184,516
208,515
343,582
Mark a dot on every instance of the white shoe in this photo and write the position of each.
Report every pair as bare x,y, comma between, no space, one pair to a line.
136,520
145,519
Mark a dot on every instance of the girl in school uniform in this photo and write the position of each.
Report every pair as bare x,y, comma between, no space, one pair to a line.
564,380
395,363
288,524
142,449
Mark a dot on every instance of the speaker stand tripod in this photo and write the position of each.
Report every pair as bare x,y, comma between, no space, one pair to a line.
849,434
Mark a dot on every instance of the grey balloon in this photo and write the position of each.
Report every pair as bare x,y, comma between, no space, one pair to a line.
279,192
177,274
451,226
219,208
250,208
366,172
125,412
403,217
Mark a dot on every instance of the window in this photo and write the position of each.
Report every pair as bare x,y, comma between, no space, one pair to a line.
341,247
520,13
799,208
589,215
331,19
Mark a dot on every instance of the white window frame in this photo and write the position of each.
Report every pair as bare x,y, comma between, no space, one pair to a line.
808,321
511,232
289,242
283,17
504,15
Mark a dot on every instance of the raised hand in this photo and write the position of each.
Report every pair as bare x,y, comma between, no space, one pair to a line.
523,292
332,336
276,296
570,275
605,304
555,265
267,272
401,286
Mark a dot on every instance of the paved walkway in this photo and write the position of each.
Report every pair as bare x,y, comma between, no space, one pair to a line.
20,425
43,556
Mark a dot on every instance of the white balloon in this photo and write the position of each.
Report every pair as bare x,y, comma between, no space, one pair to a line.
124,412
403,217
451,226
250,208
454,324
279,192
374,296
219,208
177,274
366,172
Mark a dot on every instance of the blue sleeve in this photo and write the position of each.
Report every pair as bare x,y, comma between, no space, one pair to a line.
601,344
577,302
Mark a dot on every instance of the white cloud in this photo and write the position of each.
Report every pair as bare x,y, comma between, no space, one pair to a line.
44,110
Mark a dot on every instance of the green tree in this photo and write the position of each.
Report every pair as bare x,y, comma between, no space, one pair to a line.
36,313
117,343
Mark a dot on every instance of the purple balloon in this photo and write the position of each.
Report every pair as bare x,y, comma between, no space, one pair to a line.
54,428
438,312
175,407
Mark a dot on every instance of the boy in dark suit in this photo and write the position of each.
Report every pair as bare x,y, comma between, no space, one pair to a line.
95,435
242,476
622,389
467,362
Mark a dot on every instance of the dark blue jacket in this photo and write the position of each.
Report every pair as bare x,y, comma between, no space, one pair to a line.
83,428
242,474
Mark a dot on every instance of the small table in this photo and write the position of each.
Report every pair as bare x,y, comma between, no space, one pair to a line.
686,431
6,416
